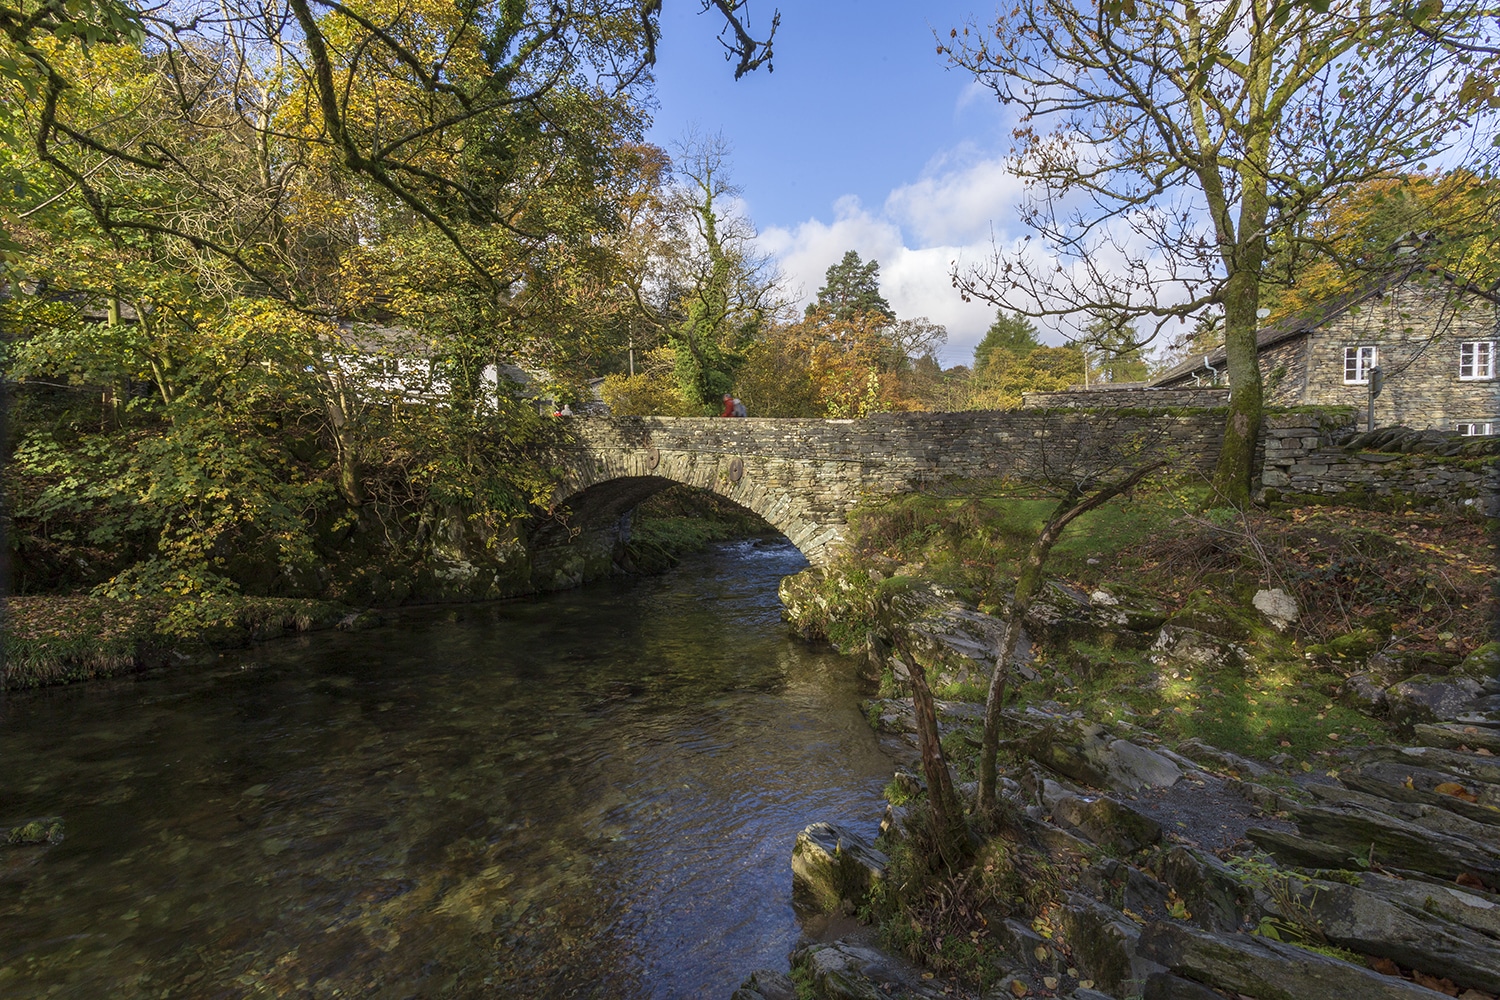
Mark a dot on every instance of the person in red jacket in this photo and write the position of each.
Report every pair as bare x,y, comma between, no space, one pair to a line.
728,406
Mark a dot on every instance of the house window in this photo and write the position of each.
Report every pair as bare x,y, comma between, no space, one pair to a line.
1357,364
1475,428
1476,359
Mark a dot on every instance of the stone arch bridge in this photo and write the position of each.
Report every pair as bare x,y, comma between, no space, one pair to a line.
803,476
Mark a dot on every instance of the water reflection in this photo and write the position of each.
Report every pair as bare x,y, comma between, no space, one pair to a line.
592,795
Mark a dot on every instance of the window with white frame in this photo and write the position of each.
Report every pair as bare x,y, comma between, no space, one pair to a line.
1475,428
1476,359
1357,364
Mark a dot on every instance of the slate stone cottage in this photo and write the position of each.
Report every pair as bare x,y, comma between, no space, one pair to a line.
1433,340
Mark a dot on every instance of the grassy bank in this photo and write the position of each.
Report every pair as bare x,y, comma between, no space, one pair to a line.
60,639
54,639
1414,588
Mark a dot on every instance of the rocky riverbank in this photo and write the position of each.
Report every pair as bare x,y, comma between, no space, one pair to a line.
1201,797
1193,874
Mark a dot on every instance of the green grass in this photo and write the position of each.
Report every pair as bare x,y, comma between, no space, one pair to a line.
1282,707
971,542
61,639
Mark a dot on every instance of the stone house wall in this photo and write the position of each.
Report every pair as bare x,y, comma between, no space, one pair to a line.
1283,372
1416,328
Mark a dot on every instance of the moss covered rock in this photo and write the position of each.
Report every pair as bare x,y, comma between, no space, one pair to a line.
38,831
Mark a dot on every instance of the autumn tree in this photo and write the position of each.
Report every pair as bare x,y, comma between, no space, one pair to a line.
1113,353
700,284
399,98
1447,220
1167,146
1007,377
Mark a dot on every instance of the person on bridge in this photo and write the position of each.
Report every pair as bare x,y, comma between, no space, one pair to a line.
732,407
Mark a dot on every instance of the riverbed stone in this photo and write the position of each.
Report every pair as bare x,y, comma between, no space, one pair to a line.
1165,986
1265,969
1472,908
1062,613
1452,735
1363,922
1125,887
1482,664
833,867
955,641
766,984
1353,831
1108,822
48,830
1279,607
1213,896
1179,644
1103,945
1090,753
846,971
1364,692
1202,754
1429,698
1470,797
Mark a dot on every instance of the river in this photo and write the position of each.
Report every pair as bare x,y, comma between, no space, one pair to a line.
590,794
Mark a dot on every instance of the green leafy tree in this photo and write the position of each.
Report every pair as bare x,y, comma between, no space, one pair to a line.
1113,351
1007,377
852,288
1010,331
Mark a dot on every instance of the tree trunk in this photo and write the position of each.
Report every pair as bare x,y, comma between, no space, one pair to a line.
1078,501
948,828
342,430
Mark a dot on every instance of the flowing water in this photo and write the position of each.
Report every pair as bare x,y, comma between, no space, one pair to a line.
593,794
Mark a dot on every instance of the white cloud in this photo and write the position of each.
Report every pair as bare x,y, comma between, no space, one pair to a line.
973,92
945,217
959,199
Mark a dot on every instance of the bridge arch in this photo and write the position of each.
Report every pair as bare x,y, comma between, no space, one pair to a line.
803,476
607,487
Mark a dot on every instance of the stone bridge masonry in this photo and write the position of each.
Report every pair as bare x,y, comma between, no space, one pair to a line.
803,476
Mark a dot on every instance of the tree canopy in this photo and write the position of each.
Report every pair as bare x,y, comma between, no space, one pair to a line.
1011,331
241,246
1167,146
852,288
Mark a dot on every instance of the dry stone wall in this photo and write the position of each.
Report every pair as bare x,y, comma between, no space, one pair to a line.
804,476
1149,398
1302,456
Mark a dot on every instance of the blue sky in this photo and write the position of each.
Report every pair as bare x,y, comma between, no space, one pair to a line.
863,138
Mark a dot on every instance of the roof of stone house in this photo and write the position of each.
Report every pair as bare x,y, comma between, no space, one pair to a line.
1307,322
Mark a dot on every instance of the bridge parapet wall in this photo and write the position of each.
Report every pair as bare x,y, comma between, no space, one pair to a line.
804,475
